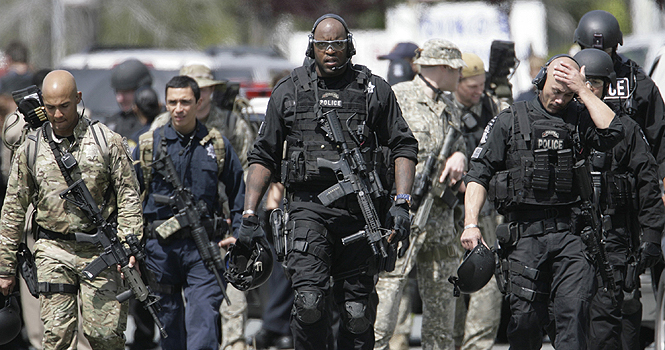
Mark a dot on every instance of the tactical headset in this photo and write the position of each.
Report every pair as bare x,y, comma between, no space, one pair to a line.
541,77
350,49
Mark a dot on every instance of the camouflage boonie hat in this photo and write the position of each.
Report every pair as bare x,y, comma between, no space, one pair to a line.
201,73
439,52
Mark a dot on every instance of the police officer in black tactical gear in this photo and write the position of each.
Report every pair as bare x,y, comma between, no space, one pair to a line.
289,143
524,164
635,93
629,201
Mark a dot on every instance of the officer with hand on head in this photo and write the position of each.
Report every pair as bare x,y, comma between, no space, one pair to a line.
292,141
524,163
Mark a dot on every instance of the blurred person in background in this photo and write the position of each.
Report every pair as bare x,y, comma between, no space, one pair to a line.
431,116
535,62
479,312
401,66
126,78
19,73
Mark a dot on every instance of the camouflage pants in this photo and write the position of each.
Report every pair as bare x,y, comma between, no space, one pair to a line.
234,318
437,257
484,307
104,319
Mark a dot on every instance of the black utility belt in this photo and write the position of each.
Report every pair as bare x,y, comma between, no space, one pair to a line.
43,233
531,215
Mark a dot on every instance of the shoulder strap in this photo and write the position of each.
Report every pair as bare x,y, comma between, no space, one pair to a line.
521,125
100,138
31,150
301,78
220,148
146,146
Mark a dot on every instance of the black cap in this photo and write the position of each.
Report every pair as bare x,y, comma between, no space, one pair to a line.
400,51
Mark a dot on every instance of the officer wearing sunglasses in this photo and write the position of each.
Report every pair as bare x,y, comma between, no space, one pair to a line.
290,142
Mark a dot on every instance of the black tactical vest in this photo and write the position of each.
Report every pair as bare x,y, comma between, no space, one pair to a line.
307,141
540,163
616,187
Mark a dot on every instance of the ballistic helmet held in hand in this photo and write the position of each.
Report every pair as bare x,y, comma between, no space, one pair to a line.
475,270
597,63
10,319
598,29
130,75
248,268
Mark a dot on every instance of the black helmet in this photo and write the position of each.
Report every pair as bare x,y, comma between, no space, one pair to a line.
598,29
597,63
475,270
248,268
10,319
130,75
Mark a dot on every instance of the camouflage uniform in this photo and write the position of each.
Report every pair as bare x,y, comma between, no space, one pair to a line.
480,318
61,261
241,137
434,251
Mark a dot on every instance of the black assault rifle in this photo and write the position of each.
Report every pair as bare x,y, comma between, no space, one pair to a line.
189,214
354,177
115,253
426,186
592,235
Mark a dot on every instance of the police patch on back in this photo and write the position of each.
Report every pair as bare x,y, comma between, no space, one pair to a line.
620,91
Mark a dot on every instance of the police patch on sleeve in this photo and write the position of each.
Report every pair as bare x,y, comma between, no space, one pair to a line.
262,128
476,153
486,132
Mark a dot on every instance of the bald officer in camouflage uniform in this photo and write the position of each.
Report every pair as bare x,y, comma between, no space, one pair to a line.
59,258
434,250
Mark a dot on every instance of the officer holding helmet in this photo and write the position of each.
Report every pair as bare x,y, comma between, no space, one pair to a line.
291,140
634,217
524,164
635,94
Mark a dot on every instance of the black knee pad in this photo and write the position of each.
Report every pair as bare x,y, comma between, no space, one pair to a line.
308,305
355,317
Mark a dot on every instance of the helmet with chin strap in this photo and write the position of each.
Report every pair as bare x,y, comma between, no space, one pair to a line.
248,268
10,318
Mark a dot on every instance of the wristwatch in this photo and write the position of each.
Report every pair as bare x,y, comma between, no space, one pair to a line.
403,198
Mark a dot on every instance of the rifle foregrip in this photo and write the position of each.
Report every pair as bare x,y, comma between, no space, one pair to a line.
354,237
162,199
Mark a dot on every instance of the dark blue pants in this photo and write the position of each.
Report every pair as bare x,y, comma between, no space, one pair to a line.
277,311
192,323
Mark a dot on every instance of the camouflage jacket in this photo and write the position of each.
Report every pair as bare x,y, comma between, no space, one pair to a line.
42,188
242,136
429,120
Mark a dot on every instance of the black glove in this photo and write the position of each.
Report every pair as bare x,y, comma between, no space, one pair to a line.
650,254
250,231
399,215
